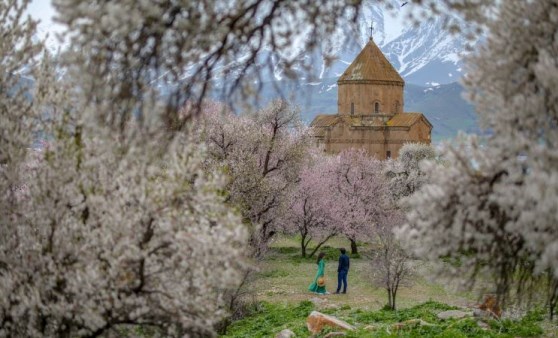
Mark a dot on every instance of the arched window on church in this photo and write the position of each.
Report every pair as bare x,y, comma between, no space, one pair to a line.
397,107
377,107
352,108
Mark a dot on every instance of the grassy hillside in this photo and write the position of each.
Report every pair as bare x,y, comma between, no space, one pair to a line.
281,301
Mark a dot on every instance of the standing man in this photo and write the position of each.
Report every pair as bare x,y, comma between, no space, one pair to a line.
342,270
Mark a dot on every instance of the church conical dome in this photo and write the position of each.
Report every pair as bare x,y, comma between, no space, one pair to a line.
371,66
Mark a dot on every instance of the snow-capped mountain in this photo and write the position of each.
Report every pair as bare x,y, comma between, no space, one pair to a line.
426,54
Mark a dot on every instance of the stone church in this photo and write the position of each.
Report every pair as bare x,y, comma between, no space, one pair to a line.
370,110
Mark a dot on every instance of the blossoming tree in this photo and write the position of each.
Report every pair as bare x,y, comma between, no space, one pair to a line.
392,266
496,202
118,225
361,192
313,207
404,174
262,154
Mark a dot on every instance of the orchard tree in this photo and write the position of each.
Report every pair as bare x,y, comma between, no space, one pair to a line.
497,202
391,264
17,48
113,226
361,193
222,132
404,174
262,154
313,207
113,229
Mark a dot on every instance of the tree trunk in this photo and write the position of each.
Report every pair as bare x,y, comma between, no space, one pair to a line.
320,244
391,299
304,234
553,299
354,249
305,241
316,249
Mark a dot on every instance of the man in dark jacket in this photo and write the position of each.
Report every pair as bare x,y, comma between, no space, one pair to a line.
342,270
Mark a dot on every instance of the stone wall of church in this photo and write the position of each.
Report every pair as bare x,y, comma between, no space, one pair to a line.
379,142
365,95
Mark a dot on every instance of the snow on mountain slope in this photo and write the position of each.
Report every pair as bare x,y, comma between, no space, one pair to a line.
442,104
422,54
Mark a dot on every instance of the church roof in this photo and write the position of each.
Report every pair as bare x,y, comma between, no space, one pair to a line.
398,120
406,120
371,65
324,120
331,120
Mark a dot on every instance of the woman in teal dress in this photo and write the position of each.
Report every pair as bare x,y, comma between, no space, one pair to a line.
321,273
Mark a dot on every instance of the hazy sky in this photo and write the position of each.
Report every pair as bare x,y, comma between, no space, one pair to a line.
42,10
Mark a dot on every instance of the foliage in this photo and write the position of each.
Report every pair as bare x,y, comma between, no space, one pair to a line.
272,318
143,239
497,201
16,115
337,194
314,207
528,326
391,263
426,311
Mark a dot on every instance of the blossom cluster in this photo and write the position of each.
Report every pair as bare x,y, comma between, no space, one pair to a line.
103,227
492,202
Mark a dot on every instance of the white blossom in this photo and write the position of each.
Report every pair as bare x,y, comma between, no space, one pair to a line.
404,174
103,226
494,206
262,154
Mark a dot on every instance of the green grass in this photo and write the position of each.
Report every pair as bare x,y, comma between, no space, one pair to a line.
273,274
294,255
280,291
272,318
284,276
426,311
